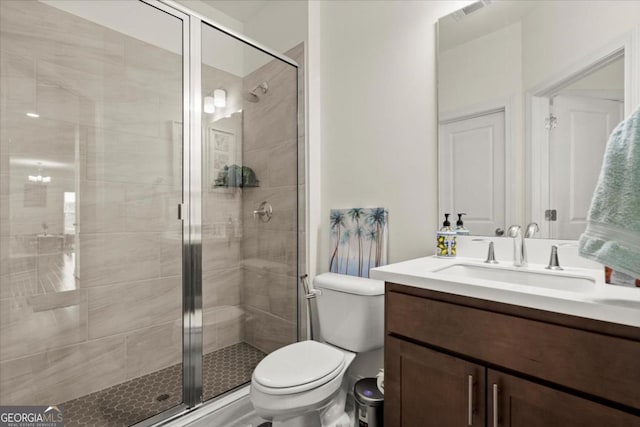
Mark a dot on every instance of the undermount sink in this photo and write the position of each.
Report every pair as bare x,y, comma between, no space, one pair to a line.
551,280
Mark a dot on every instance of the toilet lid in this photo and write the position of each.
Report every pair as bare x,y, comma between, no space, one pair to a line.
299,363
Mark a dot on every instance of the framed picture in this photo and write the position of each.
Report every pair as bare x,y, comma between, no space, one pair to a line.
358,240
220,152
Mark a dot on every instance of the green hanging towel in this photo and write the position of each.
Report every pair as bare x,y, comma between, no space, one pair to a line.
612,236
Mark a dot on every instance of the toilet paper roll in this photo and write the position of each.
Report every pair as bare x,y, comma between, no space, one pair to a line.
380,381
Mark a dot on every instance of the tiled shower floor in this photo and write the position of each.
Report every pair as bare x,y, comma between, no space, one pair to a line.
138,399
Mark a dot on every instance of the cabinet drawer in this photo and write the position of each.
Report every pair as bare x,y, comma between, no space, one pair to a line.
600,365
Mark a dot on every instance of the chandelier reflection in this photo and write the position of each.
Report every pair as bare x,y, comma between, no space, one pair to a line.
39,178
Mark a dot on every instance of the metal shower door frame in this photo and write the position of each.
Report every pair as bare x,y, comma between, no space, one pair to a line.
191,207
191,235
190,210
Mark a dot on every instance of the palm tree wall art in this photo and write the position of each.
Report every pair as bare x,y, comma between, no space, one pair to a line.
358,240
337,223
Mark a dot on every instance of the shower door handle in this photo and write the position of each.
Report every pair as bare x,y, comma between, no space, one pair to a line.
182,212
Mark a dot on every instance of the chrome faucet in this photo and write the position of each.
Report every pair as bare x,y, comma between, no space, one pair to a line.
532,229
554,263
491,255
519,250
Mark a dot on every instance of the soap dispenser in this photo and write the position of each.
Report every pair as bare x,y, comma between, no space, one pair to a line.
460,230
446,225
446,239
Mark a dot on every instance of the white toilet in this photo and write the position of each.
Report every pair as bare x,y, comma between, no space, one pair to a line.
300,385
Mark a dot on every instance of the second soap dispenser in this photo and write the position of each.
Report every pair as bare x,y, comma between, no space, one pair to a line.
460,230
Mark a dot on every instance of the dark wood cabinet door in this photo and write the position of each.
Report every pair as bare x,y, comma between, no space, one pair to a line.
522,403
425,388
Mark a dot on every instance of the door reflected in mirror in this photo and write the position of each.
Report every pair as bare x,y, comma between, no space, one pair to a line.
528,95
580,118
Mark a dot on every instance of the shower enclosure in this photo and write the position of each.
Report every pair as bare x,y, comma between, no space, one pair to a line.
150,172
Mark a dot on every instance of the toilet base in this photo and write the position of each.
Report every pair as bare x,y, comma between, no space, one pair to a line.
332,415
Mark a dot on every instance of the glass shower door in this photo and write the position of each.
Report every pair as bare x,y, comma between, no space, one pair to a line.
148,251
249,208
91,144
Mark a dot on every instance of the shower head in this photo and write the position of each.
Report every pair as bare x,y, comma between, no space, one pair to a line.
252,95
263,87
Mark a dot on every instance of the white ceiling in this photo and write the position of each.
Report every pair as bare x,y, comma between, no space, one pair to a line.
454,31
241,10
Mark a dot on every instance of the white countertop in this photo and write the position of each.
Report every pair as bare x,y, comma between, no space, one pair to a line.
609,303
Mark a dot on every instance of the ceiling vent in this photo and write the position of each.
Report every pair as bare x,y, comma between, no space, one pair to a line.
468,10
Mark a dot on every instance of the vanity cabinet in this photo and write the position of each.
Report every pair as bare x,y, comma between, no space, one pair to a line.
429,388
458,361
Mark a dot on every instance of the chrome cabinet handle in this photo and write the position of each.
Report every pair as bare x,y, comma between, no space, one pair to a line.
470,398
495,405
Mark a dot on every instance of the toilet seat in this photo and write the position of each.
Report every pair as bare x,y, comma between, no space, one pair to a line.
298,367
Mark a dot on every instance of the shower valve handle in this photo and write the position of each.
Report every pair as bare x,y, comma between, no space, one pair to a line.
264,212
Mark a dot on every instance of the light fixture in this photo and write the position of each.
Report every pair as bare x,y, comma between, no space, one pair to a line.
220,98
39,178
34,115
209,105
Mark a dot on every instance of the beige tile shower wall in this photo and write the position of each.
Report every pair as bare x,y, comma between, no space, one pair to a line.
109,130
269,289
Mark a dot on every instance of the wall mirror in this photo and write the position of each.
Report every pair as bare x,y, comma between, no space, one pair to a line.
528,93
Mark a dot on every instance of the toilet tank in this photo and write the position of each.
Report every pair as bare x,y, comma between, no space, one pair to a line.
351,311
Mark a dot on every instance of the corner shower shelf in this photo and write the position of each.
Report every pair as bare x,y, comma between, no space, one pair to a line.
235,176
237,186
